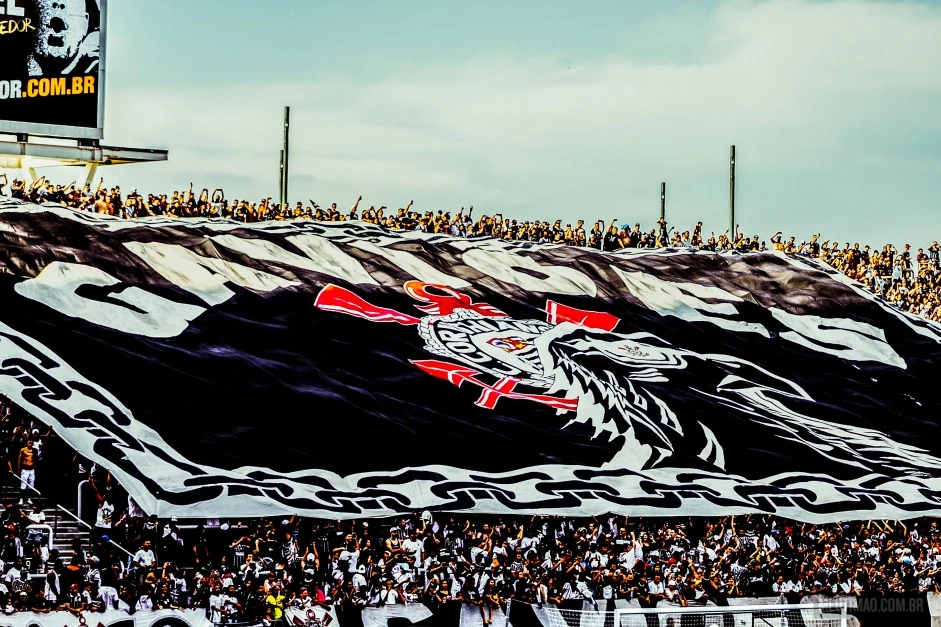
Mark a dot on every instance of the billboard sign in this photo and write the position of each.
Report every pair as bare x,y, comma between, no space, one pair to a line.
52,76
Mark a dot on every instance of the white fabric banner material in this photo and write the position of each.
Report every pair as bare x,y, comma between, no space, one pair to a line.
316,616
111,618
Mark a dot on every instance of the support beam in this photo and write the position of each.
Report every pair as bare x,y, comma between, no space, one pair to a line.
27,156
90,170
78,155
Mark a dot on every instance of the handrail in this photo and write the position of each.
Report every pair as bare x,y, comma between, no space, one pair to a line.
48,546
71,515
80,500
47,528
832,608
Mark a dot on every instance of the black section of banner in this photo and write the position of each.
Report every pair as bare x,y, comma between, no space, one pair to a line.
266,379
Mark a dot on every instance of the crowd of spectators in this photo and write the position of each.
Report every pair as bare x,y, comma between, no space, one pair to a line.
908,279
250,570
244,571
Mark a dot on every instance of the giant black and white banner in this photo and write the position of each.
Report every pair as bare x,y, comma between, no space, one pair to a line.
342,370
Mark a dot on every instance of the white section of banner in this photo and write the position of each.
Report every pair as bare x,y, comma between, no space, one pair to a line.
317,616
111,618
471,616
379,616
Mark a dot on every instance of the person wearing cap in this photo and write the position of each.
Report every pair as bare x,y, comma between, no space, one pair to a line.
359,578
393,544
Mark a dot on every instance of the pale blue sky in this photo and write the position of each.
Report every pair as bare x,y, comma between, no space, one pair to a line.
546,109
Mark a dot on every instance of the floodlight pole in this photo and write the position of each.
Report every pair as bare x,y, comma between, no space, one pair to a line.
281,179
663,200
732,192
285,156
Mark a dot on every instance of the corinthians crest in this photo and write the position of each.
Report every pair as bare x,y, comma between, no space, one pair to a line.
625,385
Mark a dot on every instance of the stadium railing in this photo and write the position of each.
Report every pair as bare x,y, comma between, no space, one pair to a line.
782,615
58,508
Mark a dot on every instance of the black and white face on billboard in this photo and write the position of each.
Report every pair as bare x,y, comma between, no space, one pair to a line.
52,74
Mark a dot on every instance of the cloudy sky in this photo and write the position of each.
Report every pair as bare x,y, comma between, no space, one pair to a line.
546,109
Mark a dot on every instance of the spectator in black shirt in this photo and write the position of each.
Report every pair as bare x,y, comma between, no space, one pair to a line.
611,240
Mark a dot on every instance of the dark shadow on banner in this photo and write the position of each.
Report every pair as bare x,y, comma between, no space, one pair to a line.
522,615
349,616
444,615
571,618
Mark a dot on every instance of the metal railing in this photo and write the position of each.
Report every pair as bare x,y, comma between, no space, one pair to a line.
60,508
46,528
13,481
80,499
31,530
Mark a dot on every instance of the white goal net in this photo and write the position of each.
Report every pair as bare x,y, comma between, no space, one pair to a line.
805,615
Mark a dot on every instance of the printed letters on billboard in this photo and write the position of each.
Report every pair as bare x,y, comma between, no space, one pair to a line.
52,71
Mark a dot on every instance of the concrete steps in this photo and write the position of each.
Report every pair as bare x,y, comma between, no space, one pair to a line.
65,528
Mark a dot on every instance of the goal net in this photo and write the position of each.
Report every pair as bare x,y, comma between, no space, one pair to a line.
806,615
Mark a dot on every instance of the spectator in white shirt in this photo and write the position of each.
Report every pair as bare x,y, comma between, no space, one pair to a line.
359,578
36,515
144,559
217,609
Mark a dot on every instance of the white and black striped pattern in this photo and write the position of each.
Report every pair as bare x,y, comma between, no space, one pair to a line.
188,357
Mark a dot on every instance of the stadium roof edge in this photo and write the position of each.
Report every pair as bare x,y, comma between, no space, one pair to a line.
79,155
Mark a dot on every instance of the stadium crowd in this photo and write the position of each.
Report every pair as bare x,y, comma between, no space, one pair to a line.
243,571
910,280
249,570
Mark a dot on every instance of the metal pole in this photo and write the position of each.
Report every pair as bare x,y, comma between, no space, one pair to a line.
287,154
281,180
79,501
732,193
663,200
90,170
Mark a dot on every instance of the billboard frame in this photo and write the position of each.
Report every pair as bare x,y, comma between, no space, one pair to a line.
73,132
